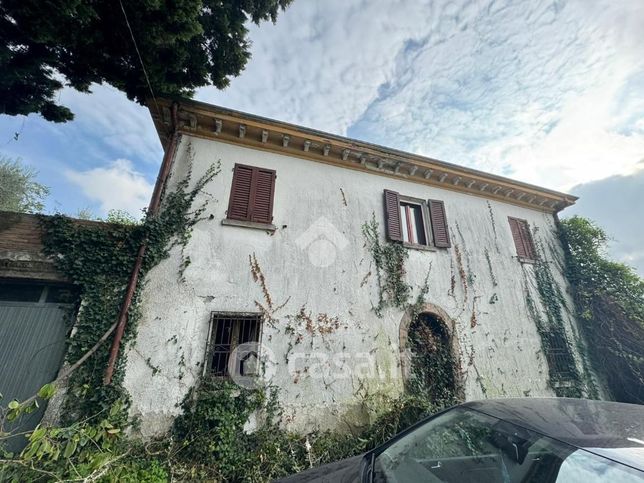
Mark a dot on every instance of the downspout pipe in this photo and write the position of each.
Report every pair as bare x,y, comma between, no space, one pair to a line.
153,209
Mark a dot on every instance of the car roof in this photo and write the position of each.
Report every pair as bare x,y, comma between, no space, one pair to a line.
610,429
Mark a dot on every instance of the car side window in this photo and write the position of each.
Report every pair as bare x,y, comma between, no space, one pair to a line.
465,446
584,467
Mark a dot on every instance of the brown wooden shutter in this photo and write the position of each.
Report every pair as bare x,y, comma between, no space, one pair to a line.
392,216
262,199
516,236
522,238
526,236
240,193
439,224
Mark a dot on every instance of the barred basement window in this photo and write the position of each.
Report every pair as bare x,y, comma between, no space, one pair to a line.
227,331
560,360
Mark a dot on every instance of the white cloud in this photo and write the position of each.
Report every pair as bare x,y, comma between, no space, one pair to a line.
582,147
530,89
107,119
117,186
322,64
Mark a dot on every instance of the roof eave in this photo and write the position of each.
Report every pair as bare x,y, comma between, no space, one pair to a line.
230,126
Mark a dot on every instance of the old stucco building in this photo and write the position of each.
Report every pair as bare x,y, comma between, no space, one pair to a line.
280,258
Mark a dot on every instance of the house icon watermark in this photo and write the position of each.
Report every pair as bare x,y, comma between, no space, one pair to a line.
322,240
251,365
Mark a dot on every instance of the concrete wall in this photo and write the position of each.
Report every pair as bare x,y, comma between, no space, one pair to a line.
333,280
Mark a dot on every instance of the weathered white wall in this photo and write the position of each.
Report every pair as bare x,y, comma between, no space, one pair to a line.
500,355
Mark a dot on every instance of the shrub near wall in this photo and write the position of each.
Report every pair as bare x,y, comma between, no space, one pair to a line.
207,442
609,299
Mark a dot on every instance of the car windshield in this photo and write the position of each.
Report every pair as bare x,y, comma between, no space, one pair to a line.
464,446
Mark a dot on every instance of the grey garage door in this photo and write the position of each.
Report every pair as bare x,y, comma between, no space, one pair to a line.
32,345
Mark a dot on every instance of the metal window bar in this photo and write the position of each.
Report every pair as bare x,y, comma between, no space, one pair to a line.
247,333
561,363
227,331
221,347
560,360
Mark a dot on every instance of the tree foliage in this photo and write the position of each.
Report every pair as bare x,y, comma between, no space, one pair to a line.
120,217
184,44
609,297
18,189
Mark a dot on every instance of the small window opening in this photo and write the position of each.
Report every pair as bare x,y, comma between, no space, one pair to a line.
413,223
560,360
227,332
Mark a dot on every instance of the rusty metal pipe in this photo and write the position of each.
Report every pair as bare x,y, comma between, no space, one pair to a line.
153,208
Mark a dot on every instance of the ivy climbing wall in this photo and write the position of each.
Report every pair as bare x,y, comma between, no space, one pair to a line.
319,283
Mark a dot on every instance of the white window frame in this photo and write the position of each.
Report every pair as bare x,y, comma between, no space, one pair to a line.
424,211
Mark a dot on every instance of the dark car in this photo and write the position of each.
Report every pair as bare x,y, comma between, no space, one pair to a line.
506,441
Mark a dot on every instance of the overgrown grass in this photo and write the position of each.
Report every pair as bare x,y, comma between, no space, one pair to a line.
207,442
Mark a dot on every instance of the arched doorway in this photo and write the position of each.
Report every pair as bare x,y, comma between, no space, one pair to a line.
430,359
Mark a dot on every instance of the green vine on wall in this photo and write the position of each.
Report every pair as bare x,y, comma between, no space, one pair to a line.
389,260
489,267
493,223
268,309
416,308
564,374
98,259
471,276
461,270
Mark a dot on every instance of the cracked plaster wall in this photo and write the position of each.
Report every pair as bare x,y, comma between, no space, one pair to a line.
483,293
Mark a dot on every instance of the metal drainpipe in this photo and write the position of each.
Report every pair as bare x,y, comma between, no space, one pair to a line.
155,201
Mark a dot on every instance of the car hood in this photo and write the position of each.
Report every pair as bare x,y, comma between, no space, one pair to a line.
343,471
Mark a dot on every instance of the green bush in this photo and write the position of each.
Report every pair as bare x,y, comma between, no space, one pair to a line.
207,441
609,299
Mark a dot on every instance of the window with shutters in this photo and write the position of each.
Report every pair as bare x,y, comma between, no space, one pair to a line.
227,332
414,222
522,239
251,195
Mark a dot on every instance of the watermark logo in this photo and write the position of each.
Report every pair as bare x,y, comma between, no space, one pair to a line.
322,240
252,365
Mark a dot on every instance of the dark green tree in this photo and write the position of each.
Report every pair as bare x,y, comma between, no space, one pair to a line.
609,298
184,44
19,190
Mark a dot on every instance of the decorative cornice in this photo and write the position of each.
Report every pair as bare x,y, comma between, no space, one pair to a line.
234,127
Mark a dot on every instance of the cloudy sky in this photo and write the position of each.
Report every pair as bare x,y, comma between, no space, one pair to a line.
548,92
